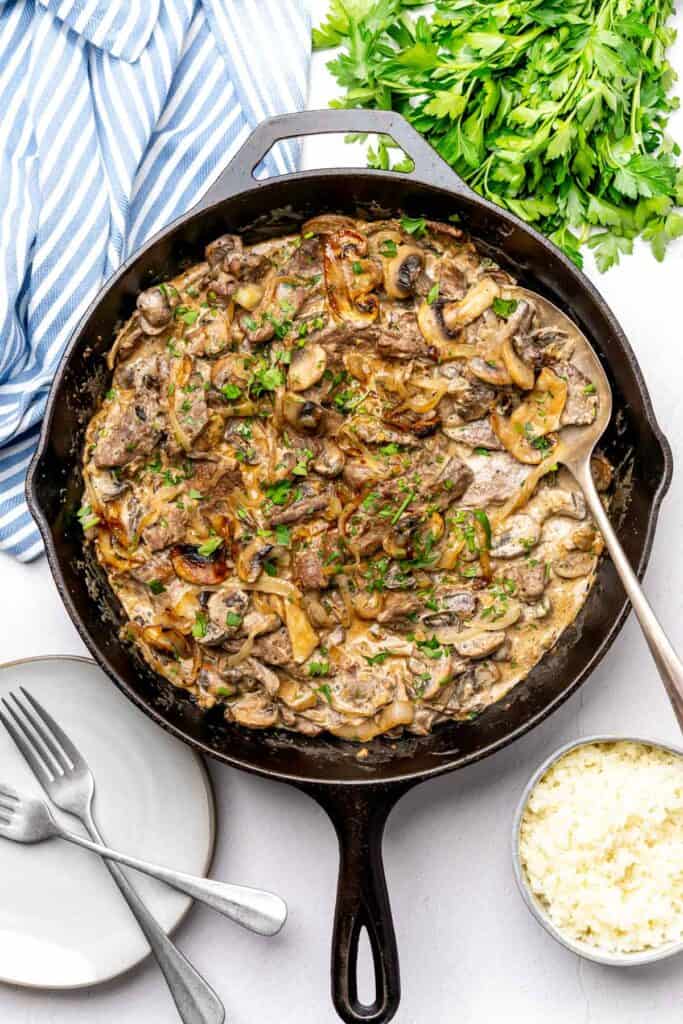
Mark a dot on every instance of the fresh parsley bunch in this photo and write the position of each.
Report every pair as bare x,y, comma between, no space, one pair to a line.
553,109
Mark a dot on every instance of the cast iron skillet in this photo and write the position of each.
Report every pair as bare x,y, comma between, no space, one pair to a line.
357,794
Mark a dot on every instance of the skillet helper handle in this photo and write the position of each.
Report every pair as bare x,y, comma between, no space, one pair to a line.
667,661
239,174
359,815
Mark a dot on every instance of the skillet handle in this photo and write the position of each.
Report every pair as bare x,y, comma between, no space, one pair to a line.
239,174
359,814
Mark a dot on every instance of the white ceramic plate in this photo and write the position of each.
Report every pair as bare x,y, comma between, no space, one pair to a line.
63,922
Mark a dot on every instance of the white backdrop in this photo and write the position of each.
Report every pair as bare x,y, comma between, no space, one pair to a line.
470,952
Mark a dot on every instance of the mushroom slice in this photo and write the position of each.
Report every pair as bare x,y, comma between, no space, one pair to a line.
328,224
520,534
307,367
481,645
490,371
520,372
574,564
168,641
155,310
402,271
330,460
556,501
301,413
538,415
254,710
433,329
202,570
602,471
350,278
249,561
476,301
302,636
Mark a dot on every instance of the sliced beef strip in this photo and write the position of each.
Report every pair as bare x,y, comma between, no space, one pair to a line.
398,608
467,399
495,479
477,434
169,528
301,509
582,403
275,649
309,569
130,429
399,337
529,578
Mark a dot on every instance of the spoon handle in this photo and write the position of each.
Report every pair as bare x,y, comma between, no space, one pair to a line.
667,661
259,911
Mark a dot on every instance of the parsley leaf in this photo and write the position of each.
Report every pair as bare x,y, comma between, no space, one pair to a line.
209,546
416,226
504,307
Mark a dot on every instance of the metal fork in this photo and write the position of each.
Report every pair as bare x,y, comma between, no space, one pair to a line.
255,909
66,778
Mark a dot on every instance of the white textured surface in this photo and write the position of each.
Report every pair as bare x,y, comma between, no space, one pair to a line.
469,949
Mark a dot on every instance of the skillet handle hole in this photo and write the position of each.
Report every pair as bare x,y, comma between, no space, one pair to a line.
366,980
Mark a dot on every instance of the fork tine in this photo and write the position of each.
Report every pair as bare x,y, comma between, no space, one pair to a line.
41,770
38,727
58,733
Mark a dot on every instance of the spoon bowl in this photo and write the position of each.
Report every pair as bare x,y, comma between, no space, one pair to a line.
574,450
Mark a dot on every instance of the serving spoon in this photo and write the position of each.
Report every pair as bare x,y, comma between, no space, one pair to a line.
574,450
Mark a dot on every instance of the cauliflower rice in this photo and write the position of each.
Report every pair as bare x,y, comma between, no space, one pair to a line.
601,845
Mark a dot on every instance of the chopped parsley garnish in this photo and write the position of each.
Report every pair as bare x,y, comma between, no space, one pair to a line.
156,586
357,267
187,315
86,517
268,378
377,659
231,392
325,692
416,226
209,546
482,451
389,449
319,668
388,248
483,521
270,568
589,389
278,493
110,394
433,294
283,535
200,626
431,648
233,619
504,307
194,494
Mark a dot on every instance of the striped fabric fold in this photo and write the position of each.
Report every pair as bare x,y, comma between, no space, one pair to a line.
116,116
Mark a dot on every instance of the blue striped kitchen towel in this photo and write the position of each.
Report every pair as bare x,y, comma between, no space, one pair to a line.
114,117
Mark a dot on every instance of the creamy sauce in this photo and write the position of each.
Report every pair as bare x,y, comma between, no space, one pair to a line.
307,482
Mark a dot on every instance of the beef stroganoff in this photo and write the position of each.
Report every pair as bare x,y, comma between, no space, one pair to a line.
322,482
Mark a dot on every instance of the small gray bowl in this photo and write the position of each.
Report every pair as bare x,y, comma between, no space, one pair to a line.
582,949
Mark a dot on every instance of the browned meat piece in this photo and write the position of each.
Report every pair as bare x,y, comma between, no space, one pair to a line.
329,461
275,649
543,346
260,324
149,370
602,471
453,606
307,260
130,429
422,425
477,434
155,309
168,529
582,401
399,608
467,398
190,406
495,479
308,569
444,482
373,431
371,540
399,337
528,578
301,509
157,567
357,475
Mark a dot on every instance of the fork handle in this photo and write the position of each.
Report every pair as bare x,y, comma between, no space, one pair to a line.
259,911
195,1000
